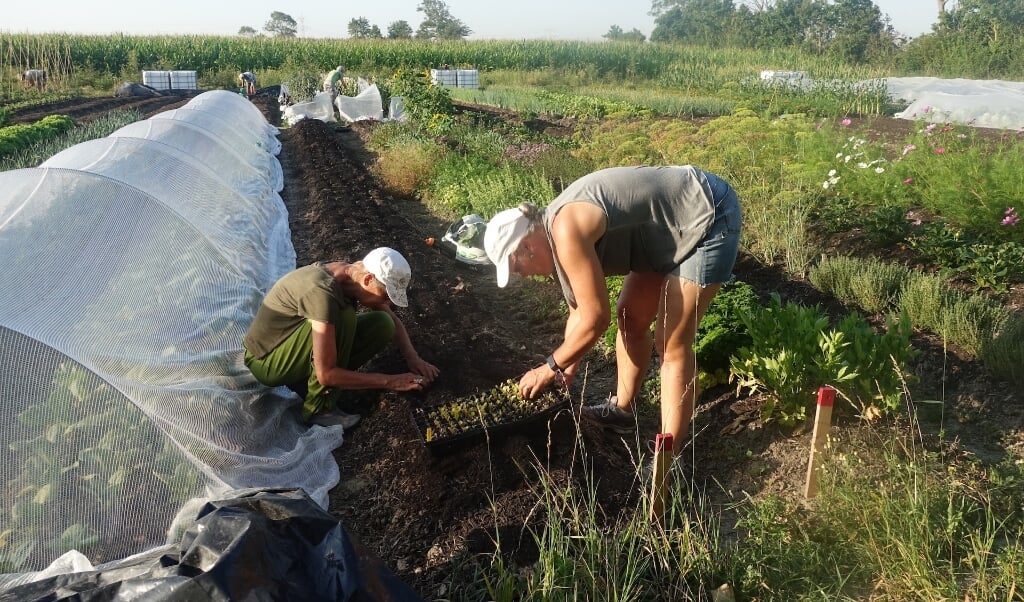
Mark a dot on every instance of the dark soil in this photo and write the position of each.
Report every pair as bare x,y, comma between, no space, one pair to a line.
421,512
86,109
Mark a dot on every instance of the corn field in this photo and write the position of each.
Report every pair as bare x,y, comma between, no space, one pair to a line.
20,53
121,55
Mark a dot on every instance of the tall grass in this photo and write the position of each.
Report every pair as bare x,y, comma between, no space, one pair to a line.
891,522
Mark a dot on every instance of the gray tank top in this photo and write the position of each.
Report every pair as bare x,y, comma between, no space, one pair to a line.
655,217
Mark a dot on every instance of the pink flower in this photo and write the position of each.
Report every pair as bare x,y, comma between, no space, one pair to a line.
908,180
1011,218
908,148
940,150
846,121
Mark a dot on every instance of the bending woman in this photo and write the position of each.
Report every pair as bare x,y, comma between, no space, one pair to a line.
672,231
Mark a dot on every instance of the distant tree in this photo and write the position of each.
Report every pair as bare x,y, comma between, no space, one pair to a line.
994,21
616,34
787,23
280,25
692,21
361,28
399,30
248,32
438,23
857,29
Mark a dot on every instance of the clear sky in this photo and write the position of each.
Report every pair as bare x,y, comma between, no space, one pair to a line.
515,19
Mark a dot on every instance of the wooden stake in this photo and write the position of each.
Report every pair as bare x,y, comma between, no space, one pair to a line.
822,424
660,477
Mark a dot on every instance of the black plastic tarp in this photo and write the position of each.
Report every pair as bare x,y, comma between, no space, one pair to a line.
264,545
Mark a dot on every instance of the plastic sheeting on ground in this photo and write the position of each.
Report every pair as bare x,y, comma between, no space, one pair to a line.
318,108
982,103
269,545
366,105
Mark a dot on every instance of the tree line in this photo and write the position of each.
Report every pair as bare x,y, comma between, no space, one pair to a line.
438,24
980,37
969,36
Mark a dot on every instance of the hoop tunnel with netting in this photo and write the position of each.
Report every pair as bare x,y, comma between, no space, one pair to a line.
132,266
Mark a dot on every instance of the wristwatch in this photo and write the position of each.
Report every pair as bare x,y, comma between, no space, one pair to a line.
553,364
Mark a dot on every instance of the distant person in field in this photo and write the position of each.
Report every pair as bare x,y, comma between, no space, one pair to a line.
308,336
332,82
34,78
672,231
248,80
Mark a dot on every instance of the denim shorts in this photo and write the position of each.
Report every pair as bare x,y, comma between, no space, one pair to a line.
713,259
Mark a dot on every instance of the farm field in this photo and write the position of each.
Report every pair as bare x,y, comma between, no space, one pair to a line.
422,514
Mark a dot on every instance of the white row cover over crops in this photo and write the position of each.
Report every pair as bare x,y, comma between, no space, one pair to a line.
131,268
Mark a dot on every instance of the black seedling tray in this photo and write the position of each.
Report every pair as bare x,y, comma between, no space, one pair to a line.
464,422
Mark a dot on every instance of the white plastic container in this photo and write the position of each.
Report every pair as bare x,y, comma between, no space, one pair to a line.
443,77
158,80
184,80
467,78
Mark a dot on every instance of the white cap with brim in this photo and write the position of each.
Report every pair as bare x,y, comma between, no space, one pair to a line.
503,234
388,266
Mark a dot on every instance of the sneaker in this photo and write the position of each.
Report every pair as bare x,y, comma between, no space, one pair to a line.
610,416
335,418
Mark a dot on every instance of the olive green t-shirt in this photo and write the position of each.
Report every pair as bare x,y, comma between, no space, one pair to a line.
308,293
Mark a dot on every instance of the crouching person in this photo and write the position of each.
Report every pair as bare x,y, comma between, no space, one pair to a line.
308,336
34,78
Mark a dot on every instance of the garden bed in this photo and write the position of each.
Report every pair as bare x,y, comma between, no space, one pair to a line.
417,509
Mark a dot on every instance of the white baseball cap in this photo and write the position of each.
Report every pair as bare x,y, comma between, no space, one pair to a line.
388,266
504,233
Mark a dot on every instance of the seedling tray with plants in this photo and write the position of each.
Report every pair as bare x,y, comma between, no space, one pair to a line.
501,410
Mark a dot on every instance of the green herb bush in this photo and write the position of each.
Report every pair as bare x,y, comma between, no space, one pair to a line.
793,352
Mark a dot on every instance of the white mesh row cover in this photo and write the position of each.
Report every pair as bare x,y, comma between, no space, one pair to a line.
127,285
252,147
318,108
981,103
236,109
251,235
210,150
367,105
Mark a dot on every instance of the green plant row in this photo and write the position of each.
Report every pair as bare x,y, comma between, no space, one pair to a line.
75,465
20,136
974,322
41,150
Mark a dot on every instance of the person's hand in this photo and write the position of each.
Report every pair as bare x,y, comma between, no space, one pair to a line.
406,382
423,368
535,381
